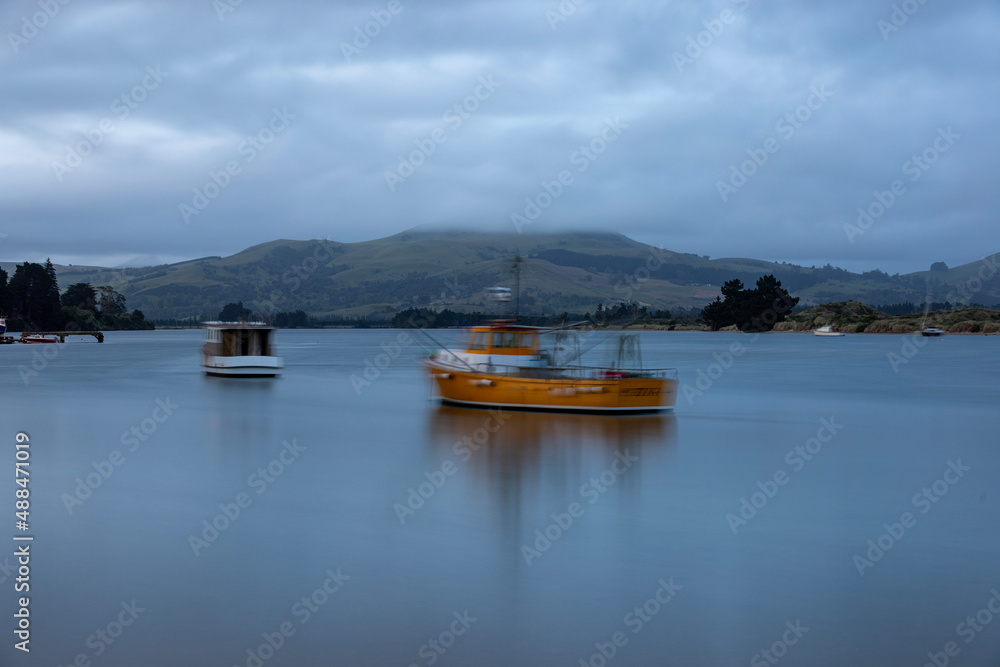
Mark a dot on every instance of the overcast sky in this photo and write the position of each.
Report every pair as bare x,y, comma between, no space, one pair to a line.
114,114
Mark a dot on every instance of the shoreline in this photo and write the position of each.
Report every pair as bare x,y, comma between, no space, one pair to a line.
608,329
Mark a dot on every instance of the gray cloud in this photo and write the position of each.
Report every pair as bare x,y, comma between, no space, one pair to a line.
690,117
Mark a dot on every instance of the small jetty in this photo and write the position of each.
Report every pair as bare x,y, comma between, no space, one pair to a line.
61,335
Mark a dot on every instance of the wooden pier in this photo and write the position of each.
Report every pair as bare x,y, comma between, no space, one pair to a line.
61,335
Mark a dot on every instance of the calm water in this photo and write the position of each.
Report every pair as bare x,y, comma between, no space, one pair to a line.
450,582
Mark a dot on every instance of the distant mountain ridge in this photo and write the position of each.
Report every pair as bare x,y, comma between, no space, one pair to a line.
561,272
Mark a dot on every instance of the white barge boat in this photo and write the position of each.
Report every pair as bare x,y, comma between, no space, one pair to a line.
240,349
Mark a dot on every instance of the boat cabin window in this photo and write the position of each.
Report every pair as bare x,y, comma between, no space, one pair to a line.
504,339
479,341
245,342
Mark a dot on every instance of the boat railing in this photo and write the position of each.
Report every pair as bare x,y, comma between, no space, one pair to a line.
576,372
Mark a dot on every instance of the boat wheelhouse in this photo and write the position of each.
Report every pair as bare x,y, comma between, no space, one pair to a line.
504,365
240,349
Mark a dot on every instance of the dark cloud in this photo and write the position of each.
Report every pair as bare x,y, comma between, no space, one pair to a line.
695,86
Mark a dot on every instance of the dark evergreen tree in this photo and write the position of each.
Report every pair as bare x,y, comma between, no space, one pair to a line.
51,284
292,320
235,312
4,294
34,297
80,295
717,314
757,309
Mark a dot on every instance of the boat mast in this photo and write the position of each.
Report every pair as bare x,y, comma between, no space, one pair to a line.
517,287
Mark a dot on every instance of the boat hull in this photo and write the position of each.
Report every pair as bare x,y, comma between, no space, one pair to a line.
618,395
243,367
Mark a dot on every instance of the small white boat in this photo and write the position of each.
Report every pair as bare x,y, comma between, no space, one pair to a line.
828,330
240,349
932,331
3,325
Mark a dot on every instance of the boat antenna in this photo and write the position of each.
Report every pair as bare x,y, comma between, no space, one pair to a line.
517,286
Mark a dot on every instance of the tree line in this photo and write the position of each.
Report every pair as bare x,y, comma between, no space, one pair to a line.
750,310
30,300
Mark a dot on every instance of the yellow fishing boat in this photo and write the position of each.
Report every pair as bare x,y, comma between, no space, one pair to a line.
503,364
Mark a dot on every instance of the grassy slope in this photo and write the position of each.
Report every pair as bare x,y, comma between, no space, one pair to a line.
451,269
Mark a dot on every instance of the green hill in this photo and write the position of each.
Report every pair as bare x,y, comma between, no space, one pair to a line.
561,272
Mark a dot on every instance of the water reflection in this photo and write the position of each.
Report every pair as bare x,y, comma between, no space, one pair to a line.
238,413
509,436
529,464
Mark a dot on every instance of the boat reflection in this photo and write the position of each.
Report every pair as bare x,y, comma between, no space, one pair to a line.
529,464
506,435
238,417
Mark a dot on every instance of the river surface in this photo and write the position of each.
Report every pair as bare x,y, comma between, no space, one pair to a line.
831,501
